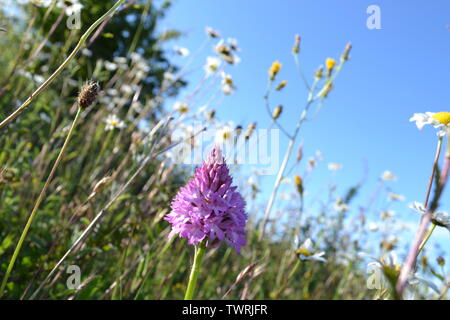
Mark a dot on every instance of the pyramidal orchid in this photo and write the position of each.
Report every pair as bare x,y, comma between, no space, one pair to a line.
207,211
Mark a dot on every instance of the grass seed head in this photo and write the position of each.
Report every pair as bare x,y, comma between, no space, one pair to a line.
88,94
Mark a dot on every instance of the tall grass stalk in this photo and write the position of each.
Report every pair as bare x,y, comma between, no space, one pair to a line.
421,232
66,62
38,202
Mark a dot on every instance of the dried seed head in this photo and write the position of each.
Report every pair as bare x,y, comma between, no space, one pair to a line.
238,130
281,85
277,112
296,48
346,53
88,94
250,130
300,153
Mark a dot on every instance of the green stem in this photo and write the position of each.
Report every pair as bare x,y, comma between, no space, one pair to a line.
289,277
38,202
77,48
199,253
427,236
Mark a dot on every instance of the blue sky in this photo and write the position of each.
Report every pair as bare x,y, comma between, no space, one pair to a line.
393,72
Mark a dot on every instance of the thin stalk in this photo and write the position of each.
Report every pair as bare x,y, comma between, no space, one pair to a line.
289,277
283,166
427,236
38,202
420,235
199,253
44,85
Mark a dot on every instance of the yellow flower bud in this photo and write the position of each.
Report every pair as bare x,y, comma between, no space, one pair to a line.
330,63
274,69
250,130
347,49
281,85
296,48
277,112
299,185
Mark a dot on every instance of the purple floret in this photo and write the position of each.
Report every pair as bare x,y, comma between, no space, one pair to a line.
208,207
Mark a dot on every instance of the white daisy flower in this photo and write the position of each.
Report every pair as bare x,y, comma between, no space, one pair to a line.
396,197
181,106
224,135
334,166
388,176
227,89
113,122
440,120
212,33
86,52
441,218
70,6
42,3
110,66
212,65
373,226
184,52
340,207
307,252
120,61
233,43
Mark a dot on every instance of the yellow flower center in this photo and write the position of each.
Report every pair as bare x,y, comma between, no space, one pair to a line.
303,252
442,117
330,63
183,109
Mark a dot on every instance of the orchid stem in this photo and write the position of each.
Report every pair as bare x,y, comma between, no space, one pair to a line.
199,253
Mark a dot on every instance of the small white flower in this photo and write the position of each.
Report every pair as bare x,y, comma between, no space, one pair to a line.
181,106
212,65
396,197
334,166
112,92
388,176
227,89
373,226
184,52
86,52
212,33
70,6
440,218
224,135
135,57
340,207
110,66
440,120
120,60
113,122
41,3
319,155
233,43
143,66
306,252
